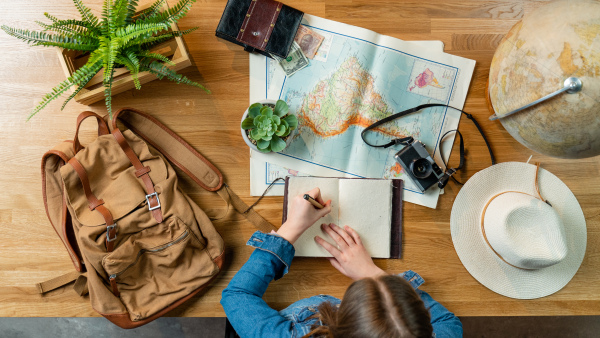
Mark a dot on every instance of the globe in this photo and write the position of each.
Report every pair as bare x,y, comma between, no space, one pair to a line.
549,45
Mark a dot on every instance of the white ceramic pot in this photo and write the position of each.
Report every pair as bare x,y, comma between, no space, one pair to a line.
246,139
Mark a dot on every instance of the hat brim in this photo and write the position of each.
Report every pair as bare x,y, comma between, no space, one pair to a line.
479,259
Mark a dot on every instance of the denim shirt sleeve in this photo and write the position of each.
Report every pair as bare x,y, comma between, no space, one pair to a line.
242,300
444,322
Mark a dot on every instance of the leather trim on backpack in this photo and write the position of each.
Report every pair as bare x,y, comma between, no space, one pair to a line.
69,241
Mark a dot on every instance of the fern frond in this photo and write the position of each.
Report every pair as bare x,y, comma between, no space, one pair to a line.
131,55
132,69
86,71
109,17
181,33
78,24
108,93
179,10
136,30
131,8
73,25
79,88
95,68
158,57
56,92
149,42
51,18
82,43
86,14
110,50
161,71
120,12
150,11
72,31
95,56
173,14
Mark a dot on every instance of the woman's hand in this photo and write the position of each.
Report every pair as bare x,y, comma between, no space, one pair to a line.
302,215
351,259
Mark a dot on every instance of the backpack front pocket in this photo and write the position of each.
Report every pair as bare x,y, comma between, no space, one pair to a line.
158,266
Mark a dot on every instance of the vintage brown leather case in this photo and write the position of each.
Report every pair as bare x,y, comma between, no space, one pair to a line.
263,26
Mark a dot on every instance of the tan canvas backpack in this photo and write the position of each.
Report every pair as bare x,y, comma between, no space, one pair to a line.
117,206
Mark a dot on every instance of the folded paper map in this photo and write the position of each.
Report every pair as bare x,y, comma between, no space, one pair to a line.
364,78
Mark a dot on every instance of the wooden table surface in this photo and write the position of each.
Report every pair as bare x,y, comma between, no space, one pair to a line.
31,252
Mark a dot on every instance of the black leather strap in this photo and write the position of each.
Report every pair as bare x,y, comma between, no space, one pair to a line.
409,139
461,155
393,117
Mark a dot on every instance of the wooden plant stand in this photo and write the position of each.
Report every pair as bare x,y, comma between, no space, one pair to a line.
173,48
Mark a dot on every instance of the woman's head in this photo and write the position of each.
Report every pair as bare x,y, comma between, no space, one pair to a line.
384,306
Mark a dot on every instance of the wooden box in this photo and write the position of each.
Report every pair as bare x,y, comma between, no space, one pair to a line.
174,49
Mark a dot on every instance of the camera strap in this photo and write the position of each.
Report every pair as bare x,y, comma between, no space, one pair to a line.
409,139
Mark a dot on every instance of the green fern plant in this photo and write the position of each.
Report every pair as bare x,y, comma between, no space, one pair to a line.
120,38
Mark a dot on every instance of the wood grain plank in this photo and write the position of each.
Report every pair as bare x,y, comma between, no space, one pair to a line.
475,41
31,252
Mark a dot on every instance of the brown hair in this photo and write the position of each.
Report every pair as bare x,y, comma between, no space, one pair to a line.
385,306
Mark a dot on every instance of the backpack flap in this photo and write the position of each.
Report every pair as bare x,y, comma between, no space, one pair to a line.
111,178
55,199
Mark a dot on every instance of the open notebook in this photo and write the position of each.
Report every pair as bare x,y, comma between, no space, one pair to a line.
372,207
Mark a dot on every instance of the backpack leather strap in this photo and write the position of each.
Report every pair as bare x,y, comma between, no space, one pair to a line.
96,204
186,158
143,173
102,128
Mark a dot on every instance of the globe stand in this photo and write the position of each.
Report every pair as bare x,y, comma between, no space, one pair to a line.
570,86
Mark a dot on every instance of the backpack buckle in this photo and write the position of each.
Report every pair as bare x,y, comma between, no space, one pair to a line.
108,229
154,194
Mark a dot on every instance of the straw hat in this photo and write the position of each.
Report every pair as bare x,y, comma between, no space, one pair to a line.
510,239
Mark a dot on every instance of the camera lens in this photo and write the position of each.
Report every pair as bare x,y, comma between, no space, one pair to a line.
421,168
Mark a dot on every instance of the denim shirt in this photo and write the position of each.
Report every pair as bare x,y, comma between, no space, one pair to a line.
250,315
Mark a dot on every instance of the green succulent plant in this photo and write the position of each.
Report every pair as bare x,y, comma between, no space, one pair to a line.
267,126
120,38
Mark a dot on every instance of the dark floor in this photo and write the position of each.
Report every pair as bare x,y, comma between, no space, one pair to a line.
167,327
550,326
576,326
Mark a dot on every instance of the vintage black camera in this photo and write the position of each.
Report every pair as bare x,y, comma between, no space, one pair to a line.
419,166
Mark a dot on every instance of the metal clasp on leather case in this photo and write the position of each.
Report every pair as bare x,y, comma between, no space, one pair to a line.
157,200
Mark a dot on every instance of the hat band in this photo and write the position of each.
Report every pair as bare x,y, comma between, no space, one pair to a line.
483,228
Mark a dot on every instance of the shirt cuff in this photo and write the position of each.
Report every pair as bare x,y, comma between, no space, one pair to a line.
413,278
276,245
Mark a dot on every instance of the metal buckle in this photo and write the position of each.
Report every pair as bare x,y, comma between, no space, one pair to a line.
108,229
157,200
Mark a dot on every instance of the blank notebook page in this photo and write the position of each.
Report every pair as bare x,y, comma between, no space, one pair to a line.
366,206
363,204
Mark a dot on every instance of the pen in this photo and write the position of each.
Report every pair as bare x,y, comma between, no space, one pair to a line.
313,202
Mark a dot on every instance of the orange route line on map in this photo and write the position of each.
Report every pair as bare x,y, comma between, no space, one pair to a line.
356,120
